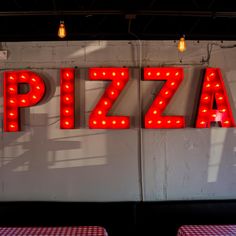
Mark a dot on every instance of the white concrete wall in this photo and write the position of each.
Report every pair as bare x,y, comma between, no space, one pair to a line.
45,163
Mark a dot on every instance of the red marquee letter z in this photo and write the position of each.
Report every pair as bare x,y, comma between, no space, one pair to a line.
154,118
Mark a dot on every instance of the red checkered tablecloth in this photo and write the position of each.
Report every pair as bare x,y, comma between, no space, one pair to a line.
54,231
207,230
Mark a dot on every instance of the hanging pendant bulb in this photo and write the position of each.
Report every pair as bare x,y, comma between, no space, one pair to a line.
182,44
62,30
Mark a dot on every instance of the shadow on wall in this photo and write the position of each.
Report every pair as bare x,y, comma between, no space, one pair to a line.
23,153
189,163
222,159
37,141
32,150
44,162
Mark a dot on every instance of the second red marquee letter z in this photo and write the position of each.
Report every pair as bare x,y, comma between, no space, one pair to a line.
154,118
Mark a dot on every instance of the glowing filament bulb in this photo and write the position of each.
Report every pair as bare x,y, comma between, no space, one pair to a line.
182,45
62,30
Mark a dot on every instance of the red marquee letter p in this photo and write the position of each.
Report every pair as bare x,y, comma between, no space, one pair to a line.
14,100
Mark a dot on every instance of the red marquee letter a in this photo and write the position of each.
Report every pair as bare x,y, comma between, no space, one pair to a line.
214,105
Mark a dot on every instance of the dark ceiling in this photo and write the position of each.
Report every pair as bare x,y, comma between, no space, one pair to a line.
35,20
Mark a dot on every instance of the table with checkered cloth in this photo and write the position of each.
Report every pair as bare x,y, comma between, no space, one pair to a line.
54,231
207,230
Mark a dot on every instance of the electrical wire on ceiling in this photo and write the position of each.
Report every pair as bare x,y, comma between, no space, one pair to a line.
209,50
205,61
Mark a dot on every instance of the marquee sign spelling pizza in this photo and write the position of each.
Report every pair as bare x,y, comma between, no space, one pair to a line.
213,105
